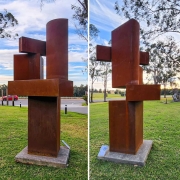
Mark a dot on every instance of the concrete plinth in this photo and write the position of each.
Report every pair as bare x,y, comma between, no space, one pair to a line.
138,159
60,161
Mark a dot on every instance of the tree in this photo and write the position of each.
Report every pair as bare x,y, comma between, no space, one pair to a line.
164,62
81,15
105,72
7,20
80,91
160,16
94,69
3,87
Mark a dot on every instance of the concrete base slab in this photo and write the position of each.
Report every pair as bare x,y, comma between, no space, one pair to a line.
60,161
138,159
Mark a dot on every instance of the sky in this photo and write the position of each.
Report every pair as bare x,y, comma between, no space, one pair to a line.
32,20
104,17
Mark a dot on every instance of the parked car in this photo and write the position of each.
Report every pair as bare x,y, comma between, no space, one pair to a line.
10,97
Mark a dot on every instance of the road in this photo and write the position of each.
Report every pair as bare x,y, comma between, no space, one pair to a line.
73,105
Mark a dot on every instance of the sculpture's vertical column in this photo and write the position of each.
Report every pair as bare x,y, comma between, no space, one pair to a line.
43,125
57,49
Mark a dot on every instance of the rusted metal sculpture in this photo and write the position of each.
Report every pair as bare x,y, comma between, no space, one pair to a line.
126,116
43,94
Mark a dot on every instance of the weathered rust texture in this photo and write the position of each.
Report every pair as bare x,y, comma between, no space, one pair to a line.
45,87
28,66
125,54
48,87
126,117
125,126
66,88
144,58
57,49
43,95
103,53
29,45
44,125
142,92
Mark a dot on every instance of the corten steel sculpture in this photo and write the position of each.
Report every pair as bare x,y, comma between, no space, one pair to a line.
43,94
126,116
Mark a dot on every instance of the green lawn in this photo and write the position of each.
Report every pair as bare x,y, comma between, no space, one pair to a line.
13,138
161,124
101,96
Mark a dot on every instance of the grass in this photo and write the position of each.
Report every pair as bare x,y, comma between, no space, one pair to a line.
13,138
84,104
161,124
101,96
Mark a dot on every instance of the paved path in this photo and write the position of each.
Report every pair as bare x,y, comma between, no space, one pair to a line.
73,105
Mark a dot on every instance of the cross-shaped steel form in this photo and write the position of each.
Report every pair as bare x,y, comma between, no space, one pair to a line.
126,116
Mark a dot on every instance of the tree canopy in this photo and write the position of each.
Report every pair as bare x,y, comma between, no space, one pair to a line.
7,20
164,60
160,16
81,15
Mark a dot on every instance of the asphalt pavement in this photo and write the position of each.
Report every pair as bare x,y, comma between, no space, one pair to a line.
73,105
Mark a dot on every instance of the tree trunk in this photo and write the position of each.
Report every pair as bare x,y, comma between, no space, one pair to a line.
91,95
164,92
104,95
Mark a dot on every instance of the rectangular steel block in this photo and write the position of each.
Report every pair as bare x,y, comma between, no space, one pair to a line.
44,125
144,58
45,87
29,45
142,92
125,126
103,53
65,88
28,66
48,87
125,54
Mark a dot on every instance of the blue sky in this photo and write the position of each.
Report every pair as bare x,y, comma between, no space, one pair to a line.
104,17
32,23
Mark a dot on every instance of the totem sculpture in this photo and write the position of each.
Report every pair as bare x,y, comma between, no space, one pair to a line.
126,116
43,94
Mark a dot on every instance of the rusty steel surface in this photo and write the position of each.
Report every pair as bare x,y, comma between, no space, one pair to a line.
103,53
44,125
29,45
57,49
125,126
144,58
142,92
125,54
65,88
28,66
45,87
43,94
126,117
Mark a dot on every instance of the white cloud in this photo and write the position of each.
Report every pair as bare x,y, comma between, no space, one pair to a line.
6,58
103,15
4,79
32,18
32,23
77,56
